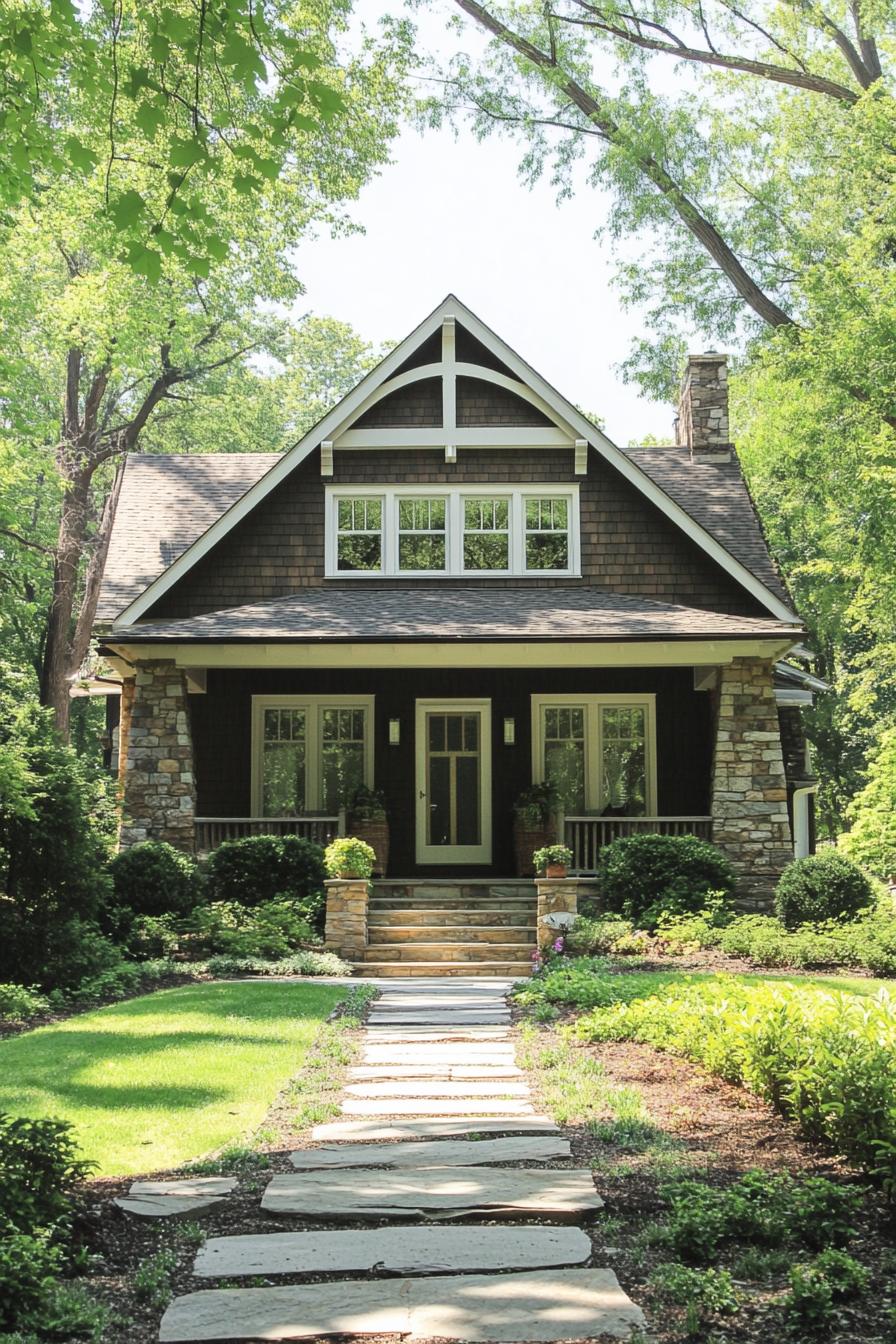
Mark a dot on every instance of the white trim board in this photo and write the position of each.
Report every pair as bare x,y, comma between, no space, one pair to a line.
350,407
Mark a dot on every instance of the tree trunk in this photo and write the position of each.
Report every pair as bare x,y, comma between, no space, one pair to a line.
56,670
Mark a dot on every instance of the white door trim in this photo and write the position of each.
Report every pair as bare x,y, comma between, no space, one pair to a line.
451,854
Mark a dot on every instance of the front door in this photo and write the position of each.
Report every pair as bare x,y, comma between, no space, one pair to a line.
454,781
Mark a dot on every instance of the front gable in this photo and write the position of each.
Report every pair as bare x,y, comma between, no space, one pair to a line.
454,407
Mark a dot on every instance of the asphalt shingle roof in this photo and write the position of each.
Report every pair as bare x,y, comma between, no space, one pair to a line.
165,504
715,495
448,614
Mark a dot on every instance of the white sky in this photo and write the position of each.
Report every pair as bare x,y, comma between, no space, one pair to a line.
452,216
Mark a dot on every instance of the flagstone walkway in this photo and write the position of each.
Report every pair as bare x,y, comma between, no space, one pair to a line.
438,1072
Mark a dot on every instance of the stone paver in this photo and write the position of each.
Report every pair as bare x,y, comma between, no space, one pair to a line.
432,1191
175,1199
396,1250
460,1105
378,1131
437,1087
507,1309
439,1153
374,1072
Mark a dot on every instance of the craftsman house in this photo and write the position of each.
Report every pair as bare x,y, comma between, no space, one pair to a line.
453,587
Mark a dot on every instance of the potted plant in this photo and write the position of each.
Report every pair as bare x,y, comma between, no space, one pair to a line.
369,822
552,860
349,857
534,823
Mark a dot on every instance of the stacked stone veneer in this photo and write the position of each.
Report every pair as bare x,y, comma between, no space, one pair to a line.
702,424
158,783
346,926
749,788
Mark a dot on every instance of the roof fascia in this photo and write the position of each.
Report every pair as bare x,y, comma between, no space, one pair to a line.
565,410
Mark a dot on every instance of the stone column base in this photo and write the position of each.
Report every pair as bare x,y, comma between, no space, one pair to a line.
558,904
346,927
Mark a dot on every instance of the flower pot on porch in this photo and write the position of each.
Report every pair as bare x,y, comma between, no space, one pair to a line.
526,839
556,870
376,835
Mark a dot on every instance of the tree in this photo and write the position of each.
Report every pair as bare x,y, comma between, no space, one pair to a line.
748,153
871,839
115,340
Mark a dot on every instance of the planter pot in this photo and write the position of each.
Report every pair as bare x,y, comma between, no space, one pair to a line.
556,870
376,834
526,840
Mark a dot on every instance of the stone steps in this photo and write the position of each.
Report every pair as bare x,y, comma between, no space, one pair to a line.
453,952
450,933
415,916
515,970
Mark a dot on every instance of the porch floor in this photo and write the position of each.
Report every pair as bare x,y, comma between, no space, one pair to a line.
449,927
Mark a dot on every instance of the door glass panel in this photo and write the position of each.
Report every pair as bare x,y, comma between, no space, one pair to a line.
453,779
624,760
283,763
564,755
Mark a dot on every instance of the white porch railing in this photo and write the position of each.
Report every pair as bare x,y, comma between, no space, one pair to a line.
586,836
212,831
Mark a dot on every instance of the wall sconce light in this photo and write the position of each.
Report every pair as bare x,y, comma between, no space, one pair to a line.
394,732
509,732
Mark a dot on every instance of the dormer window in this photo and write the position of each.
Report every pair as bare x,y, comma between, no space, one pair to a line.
452,531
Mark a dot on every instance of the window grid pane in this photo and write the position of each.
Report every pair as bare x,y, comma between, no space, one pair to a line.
547,533
486,534
624,759
359,541
564,754
421,534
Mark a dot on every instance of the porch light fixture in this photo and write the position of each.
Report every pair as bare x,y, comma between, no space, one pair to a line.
394,732
509,732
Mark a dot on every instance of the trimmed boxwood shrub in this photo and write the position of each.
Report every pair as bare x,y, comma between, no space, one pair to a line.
822,886
154,878
644,877
263,868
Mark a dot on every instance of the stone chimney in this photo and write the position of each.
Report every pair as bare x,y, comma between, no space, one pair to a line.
702,423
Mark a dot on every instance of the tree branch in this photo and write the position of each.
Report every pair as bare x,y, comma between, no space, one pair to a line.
688,212
25,541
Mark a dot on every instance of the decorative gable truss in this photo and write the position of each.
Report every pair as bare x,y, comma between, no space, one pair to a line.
561,427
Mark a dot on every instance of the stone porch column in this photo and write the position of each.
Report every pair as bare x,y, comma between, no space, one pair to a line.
128,689
558,904
159,790
749,787
346,926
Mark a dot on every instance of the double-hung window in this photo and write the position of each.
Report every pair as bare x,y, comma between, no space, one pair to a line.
599,750
456,531
309,753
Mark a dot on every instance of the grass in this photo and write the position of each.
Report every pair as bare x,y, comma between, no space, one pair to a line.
156,1081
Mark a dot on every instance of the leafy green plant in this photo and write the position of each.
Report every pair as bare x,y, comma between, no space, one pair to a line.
589,935
645,877
367,805
154,878
712,1290
19,1003
39,1170
269,931
536,806
349,857
871,838
828,1060
300,963
822,886
263,868
29,1265
152,1280
815,1287
550,856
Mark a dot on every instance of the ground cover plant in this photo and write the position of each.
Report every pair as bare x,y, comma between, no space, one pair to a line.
158,1080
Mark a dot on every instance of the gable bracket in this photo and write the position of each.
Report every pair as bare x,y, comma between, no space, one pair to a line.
326,457
581,457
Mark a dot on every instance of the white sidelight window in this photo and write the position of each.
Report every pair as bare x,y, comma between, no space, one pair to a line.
454,531
600,751
309,753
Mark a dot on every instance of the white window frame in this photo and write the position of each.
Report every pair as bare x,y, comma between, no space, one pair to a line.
313,705
454,497
592,705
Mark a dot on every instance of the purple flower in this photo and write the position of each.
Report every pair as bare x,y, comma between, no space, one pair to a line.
558,945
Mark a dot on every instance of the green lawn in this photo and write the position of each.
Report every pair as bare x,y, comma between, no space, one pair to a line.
153,1082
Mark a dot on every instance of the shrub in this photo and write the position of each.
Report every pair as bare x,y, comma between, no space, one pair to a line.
74,950
265,867
154,879
820,887
349,857
271,930
39,1169
121,981
815,1287
19,1003
871,839
29,1266
712,1290
828,1060
153,936
54,842
600,934
300,963
647,876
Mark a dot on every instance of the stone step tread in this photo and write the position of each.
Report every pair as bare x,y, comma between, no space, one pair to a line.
423,1106
363,1192
536,1306
167,1206
411,950
434,1153
429,1127
451,919
489,935
392,1250
439,1087
515,970
433,1072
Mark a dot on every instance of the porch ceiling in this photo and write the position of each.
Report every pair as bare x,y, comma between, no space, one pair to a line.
442,614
